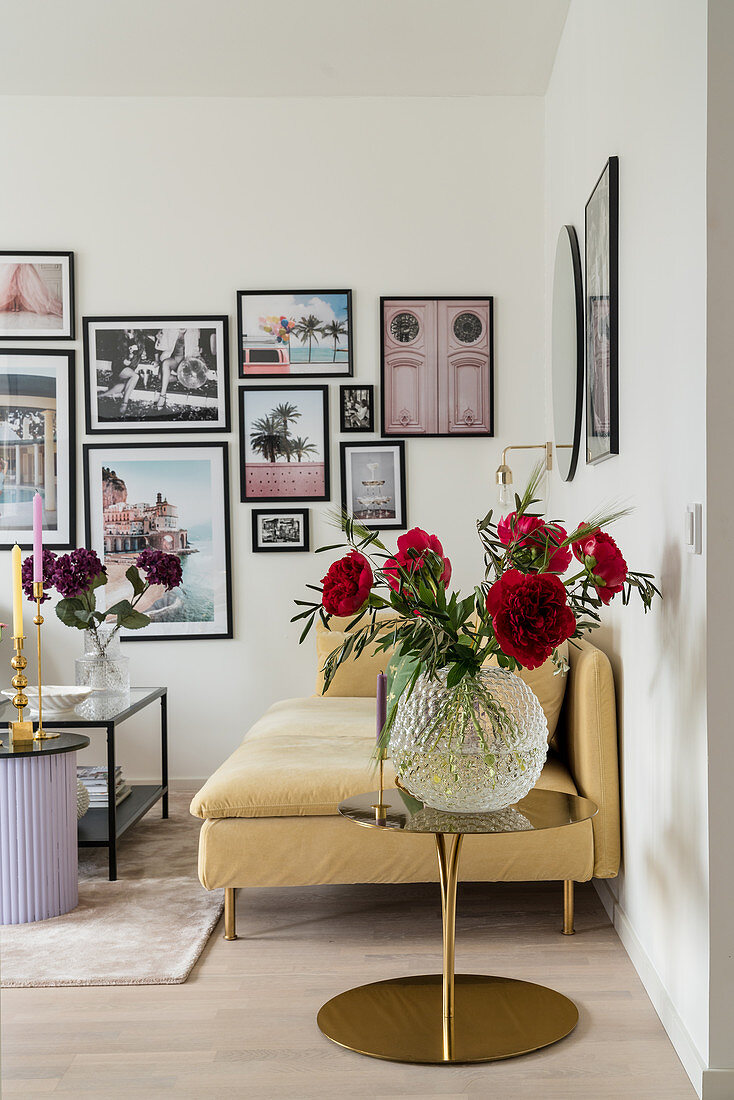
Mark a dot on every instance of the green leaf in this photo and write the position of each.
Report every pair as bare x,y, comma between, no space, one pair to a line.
67,610
135,620
123,607
98,581
139,585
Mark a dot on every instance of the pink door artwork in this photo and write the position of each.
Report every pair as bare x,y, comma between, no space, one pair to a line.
437,366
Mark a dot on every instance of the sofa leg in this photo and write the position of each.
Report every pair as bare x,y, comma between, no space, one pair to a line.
568,928
229,915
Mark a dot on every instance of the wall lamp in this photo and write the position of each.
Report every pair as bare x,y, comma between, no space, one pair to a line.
503,476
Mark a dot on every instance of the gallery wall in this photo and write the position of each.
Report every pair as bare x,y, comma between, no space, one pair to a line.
630,80
172,205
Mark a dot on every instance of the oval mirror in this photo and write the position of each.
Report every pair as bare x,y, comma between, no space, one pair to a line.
567,352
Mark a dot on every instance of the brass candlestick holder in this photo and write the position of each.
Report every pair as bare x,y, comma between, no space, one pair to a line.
41,733
380,807
21,732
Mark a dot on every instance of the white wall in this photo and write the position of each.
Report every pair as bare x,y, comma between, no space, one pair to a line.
720,402
171,205
630,79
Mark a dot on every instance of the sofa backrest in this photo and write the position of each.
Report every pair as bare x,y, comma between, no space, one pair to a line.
357,676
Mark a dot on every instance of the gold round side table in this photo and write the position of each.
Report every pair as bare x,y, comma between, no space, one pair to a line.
441,1019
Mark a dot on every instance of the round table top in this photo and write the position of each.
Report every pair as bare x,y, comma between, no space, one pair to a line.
540,809
65,742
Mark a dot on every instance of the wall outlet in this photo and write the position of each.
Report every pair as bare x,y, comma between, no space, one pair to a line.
694,528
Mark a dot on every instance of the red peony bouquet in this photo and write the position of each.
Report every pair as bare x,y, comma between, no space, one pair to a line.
542,586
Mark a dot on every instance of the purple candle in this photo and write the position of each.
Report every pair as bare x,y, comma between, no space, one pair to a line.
37,538
381,703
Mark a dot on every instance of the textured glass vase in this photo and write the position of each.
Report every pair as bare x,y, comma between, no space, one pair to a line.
442,759
105,669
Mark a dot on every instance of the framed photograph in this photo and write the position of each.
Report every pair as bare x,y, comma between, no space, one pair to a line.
602,281
36,295
357,408
294,333
156,374
171,497
37,447
437,362
280,529
373,484
284,443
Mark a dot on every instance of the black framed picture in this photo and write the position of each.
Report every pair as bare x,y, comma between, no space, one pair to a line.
36,295
172,497
156,374
357,408
294,333
280,529
602,285
373,483
437,365
37,452
284,443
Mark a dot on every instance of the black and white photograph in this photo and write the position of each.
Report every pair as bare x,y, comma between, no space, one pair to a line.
357,408
156,374
37,447
169,497
373,484
36,295
280,530
602,386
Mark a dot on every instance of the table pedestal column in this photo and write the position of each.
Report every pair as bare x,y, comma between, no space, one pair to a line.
38,841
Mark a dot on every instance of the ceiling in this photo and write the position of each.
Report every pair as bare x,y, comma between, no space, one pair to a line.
279,47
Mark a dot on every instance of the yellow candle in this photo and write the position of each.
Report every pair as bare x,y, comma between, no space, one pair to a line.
17,594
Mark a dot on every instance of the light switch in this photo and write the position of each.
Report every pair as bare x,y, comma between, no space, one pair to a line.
694,528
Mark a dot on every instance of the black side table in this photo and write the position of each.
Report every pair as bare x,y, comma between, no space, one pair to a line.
102,828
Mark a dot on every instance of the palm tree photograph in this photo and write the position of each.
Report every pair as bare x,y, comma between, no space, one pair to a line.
294,332
284,445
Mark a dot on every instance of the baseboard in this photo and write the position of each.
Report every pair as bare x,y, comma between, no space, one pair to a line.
678,1034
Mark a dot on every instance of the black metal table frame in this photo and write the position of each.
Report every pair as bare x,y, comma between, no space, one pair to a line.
143,797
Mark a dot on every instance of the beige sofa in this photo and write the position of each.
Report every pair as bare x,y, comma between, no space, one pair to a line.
270,811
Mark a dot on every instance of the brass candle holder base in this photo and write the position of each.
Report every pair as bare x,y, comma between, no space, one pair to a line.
380,807
21,731
41,733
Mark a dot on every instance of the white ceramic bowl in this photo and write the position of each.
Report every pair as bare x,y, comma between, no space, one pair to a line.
57,699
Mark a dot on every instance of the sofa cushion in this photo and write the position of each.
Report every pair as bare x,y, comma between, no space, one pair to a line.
304,757
357,677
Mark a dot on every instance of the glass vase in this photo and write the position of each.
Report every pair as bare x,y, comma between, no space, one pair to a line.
103,668
475,747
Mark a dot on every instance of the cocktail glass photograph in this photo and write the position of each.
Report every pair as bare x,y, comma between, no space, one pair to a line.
36,295
304,333
170,498
156,374
37,446
373,484
284,443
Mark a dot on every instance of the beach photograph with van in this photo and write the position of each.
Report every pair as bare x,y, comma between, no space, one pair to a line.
294,333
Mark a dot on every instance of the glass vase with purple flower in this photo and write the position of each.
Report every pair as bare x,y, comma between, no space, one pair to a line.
76,577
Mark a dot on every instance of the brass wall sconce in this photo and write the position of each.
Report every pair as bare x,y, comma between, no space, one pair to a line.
503,476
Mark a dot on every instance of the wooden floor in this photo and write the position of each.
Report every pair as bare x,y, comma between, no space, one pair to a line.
244,1025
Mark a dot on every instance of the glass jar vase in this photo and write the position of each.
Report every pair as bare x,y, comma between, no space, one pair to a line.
103,668
478,746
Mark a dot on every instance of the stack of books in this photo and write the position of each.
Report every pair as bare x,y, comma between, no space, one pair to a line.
94,779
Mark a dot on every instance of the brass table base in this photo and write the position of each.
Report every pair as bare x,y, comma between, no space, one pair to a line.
401,1020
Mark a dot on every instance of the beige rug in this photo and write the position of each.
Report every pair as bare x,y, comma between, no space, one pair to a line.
148,928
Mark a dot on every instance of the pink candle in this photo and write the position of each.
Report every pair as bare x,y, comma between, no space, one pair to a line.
37,538
381,702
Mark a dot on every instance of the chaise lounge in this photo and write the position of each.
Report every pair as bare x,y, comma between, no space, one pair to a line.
270,811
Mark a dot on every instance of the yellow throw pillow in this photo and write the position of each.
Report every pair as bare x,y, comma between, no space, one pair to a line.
548,685
357,677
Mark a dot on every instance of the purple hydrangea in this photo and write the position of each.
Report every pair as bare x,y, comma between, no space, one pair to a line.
74,572
49,571
160,568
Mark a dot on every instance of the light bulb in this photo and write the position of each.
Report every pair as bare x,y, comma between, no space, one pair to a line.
505,494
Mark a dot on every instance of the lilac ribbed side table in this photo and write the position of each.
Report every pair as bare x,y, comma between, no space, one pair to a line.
38,837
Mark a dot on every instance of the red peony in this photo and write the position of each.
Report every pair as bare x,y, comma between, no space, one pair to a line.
532,532
530,615
347,585
412,547
600,553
